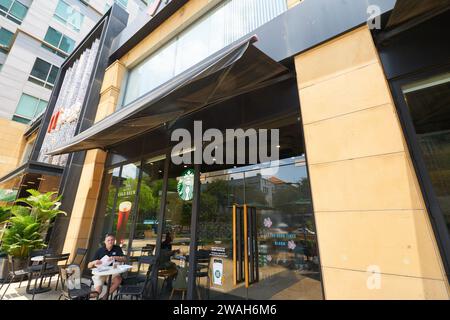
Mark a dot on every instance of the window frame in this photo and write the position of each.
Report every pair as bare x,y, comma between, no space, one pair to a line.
437,219
56,49
67,22
22,118
43,83
8,15
6,49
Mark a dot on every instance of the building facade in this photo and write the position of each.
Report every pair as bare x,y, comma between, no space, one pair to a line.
357,207
36,38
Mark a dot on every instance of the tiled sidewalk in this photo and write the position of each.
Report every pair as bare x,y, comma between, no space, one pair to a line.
16,293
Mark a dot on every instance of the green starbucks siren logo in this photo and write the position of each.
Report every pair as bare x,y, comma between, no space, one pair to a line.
185,185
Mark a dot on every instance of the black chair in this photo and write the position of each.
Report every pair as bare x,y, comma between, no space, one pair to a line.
84,293
78,259
134,291
134,278
46,272
203,265
36,266
13,274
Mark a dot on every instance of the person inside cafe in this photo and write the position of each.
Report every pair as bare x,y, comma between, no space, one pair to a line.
167,243
115,254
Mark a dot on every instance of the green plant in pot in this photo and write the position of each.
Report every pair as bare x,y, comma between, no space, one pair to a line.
28,225
44,207
23,234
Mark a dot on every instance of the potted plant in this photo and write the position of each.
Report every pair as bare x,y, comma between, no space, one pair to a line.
44,207
29,224
22,235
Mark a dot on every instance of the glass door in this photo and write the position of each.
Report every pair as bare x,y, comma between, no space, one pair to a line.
257,223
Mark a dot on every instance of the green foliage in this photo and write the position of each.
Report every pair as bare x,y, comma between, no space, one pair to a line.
28,224
44,206
23,235
5,213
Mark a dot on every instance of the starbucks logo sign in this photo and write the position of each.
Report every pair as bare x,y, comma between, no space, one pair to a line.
185,185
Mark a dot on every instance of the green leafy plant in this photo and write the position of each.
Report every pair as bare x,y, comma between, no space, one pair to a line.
5,213
43,206
28,224
23,234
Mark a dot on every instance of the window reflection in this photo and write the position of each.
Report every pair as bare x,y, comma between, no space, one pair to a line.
429,104
286,242
150,192
225,24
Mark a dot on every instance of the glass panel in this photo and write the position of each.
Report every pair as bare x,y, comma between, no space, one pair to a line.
18,10
112,179
67,44
41,107
126,204
63,10
76,20
429,105
5,5
145,233
27,106
123,3
5,37
21,120
194,45
53,37
218,195
221,26
153,73
280,229
176,226
41,69
286,236
53,74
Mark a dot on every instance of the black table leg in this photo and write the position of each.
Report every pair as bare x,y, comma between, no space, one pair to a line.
108,287
35,290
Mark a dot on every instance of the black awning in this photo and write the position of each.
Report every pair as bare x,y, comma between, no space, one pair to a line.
406,10
230,72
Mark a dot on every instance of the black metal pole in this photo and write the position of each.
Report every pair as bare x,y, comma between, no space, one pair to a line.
194,228
162,211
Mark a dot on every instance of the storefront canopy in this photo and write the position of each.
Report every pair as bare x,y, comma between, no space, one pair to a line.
232,71
406,10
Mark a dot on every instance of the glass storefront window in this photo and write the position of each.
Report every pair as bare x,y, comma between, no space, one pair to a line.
150,192
284,236
429,105
111,182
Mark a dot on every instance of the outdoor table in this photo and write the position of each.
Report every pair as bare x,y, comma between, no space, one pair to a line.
109,272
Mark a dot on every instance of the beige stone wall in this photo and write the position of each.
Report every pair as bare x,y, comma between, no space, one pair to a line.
292,3
11,144
374,233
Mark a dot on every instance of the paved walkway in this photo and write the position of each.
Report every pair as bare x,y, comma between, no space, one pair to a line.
16,293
